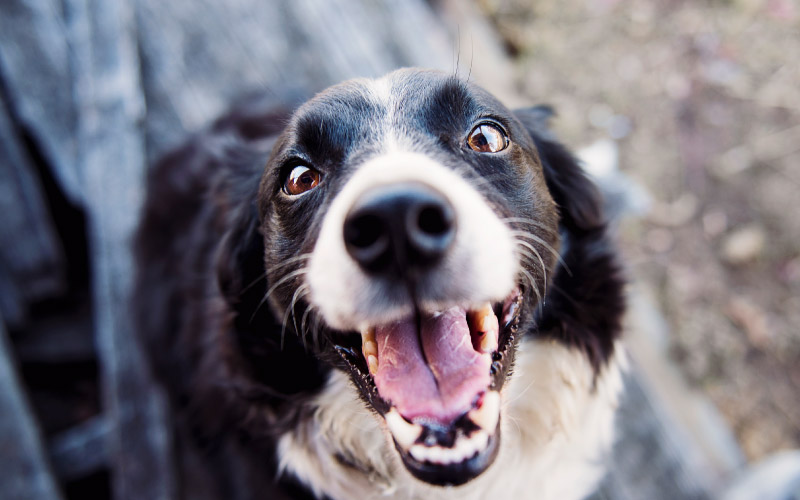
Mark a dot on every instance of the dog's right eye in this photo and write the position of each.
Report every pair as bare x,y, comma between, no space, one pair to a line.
487,137
301,180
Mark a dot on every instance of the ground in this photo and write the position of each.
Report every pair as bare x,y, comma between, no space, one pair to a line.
703,100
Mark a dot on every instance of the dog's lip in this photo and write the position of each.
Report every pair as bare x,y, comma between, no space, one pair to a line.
417,441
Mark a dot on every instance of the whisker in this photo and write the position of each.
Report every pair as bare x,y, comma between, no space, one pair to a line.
533,237
301,291
274,287
533,285
538,256
288,261
532,222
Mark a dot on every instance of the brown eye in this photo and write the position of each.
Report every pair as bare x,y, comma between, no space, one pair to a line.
487,138
301,179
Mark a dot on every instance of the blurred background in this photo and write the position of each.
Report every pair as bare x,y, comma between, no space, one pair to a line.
686,112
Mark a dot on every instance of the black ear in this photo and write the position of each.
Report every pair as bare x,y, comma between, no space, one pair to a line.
577,197
240,264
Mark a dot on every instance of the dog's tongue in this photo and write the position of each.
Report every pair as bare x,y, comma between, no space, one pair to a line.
435,375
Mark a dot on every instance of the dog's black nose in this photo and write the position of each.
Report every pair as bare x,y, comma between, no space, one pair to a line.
399,228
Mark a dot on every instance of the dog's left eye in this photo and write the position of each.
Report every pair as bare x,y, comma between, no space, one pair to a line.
487,138
300,180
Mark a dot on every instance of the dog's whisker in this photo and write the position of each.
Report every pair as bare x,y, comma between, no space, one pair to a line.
536,239
290,260
301,291
532,222
530,247
253,283
532,281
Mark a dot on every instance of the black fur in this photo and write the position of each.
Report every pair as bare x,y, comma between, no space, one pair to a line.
215,237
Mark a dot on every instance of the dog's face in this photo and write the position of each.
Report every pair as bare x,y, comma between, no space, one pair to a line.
409,234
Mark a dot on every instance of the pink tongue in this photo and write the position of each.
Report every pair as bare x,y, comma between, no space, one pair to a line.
447,385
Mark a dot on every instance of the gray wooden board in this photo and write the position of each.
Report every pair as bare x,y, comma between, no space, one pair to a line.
112,163
31,255
24,470
37,77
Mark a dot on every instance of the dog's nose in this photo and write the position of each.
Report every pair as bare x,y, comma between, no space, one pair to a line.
399,228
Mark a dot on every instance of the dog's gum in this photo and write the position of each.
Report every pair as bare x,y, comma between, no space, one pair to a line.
488,413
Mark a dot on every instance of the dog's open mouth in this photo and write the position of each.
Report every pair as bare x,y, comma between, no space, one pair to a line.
436,378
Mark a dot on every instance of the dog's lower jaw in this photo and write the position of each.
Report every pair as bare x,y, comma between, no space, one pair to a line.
557,424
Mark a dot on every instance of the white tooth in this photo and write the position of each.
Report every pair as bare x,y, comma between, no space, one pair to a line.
480,439
418,452
463,448
486,328
404,432
368,338
487,415
489,341
370,347
372,364
436,454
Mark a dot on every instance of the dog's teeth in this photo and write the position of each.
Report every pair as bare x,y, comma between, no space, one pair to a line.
487,415
372,364
404,432
488,342
485,327
369,347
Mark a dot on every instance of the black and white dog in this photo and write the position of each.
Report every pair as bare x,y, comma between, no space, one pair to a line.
403,288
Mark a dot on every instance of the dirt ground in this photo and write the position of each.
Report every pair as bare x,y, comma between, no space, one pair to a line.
703,99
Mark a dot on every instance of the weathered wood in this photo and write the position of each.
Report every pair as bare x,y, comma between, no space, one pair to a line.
65,338
37,78
112,160
81,450
31,256
198,56
25,473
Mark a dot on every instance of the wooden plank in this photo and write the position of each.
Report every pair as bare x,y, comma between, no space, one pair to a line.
81,450
36,76
32,258
25,473
112,162
198,56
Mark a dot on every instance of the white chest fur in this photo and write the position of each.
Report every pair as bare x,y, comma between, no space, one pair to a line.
557,427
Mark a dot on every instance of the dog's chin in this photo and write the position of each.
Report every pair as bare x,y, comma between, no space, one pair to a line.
440,400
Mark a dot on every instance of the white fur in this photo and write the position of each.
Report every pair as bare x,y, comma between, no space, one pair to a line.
481,266
556,430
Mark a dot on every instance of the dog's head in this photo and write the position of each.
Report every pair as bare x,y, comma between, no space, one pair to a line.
410,233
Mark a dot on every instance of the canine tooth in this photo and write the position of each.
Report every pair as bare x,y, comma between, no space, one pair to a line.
484,322
404,432
487,415
370,348
372,364
488,342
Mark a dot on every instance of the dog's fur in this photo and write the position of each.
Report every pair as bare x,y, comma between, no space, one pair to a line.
259,392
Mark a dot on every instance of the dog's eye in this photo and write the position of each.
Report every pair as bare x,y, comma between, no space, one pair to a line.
487,138
301,179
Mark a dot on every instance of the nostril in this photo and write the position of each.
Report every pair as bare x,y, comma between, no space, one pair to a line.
434,220
364,231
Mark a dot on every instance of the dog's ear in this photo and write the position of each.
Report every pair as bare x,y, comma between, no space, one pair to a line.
240,263
577,197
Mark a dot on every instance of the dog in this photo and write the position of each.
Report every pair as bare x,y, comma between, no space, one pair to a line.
401,288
